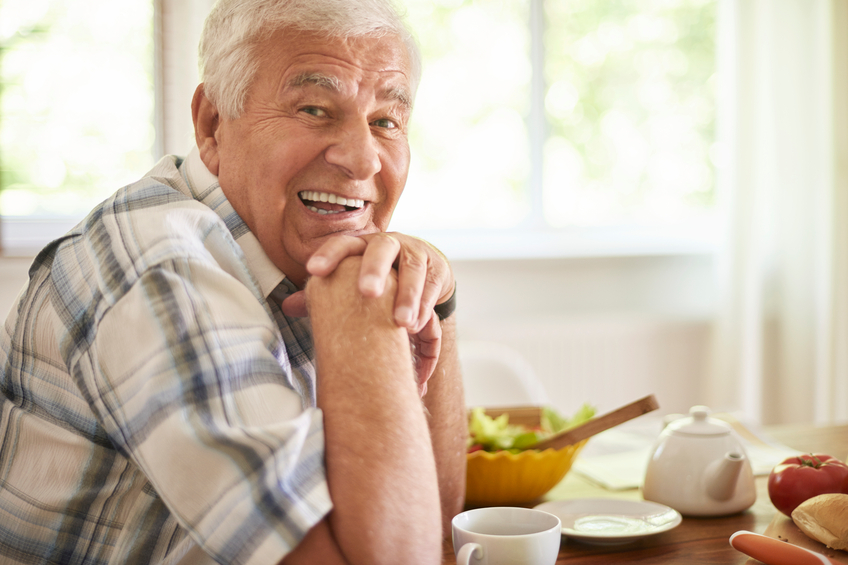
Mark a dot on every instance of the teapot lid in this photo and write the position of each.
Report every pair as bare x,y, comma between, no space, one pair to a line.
698,423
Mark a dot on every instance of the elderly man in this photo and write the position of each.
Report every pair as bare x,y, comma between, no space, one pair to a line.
166,399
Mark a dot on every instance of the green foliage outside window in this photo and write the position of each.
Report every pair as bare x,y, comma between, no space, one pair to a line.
76,113
631,108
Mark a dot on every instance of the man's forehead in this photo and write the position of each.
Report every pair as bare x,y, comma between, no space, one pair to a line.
294,55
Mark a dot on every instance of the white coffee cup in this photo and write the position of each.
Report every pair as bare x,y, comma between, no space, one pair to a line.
506,536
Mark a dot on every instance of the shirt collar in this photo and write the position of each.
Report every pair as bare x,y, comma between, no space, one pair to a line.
205,188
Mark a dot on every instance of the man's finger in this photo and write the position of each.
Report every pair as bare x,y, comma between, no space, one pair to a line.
426,346
325,260
410,308
377,260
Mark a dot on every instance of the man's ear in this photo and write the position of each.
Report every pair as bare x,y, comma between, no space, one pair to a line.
206,119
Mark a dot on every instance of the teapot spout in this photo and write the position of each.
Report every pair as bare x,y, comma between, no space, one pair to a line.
722,474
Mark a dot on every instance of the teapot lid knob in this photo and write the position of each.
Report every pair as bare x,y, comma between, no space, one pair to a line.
699,423
699,413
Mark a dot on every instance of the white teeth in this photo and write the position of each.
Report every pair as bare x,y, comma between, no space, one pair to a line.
320,211
315,196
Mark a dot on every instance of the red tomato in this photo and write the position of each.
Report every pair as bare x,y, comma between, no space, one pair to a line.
798,478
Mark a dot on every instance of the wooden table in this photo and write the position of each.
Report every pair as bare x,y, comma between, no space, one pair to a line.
697,540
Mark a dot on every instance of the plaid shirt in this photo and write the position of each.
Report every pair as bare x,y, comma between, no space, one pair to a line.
157,407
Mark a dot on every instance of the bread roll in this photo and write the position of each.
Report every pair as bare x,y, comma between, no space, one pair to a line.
825,519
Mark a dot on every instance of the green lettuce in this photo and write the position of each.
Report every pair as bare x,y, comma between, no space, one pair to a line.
496,434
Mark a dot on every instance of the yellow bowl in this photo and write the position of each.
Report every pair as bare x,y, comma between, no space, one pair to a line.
514,478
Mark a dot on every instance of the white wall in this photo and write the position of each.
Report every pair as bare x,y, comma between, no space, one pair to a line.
13,275
598,330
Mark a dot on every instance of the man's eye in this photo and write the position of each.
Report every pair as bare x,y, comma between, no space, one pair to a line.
312,111
385,123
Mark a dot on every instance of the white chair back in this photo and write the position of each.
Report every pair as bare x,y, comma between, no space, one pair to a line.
495,374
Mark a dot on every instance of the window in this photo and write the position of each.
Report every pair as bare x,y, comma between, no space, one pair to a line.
77,104
543,127
564,120
470,136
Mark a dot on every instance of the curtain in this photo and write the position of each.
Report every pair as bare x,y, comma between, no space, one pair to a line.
781,333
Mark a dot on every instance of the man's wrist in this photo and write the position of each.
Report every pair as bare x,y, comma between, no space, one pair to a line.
447,307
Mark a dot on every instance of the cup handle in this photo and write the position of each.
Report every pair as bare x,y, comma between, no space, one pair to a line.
467,551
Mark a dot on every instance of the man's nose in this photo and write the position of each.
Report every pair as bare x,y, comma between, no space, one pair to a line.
355,152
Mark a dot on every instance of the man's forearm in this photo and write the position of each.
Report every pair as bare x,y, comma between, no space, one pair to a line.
445,402
380,464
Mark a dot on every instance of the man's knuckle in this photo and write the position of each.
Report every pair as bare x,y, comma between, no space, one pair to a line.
414,261
390,237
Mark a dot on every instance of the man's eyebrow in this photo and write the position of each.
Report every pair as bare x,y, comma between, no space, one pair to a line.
399,94
318,79
333,83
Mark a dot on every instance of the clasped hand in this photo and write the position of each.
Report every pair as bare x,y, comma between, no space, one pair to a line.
424,280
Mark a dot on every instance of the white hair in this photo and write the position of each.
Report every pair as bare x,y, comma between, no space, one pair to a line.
234,28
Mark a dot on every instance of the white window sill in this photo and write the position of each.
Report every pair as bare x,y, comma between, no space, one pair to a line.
571,243
24,237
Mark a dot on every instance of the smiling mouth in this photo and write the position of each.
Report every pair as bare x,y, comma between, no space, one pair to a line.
326,203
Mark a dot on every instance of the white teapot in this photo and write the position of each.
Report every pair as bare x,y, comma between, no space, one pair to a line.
699,467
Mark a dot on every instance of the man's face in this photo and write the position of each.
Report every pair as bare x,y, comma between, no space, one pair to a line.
321,147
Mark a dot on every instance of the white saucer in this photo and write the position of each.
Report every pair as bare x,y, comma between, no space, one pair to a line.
606,521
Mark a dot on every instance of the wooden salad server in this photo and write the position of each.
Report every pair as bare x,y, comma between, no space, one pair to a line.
599,424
